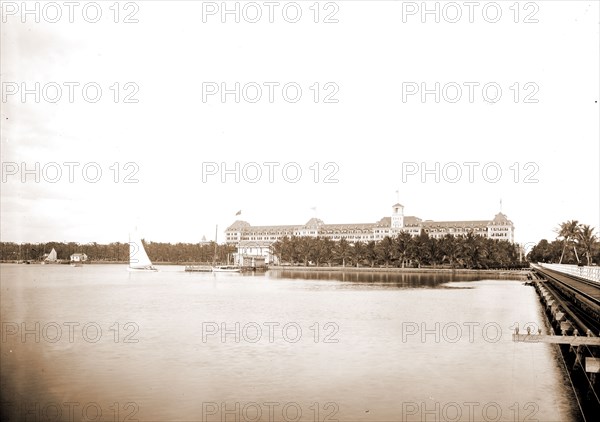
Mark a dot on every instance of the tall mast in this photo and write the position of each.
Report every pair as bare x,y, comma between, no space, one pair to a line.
216,231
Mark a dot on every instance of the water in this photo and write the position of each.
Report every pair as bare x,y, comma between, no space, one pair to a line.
356,347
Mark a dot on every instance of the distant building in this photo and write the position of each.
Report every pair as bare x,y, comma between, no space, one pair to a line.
500,228
79,257
204,241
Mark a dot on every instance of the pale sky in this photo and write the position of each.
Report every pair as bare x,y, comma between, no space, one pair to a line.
368,57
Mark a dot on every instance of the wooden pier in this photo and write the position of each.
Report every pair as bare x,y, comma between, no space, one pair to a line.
572,305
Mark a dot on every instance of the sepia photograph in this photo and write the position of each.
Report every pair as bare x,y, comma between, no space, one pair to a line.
300,211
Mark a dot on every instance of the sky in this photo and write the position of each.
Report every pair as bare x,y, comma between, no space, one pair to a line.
152,143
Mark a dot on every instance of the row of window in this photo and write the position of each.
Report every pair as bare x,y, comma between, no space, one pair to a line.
236,235
307,233
372,237
367,234
456,230
335,236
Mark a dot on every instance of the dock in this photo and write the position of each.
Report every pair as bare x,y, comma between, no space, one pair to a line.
572,305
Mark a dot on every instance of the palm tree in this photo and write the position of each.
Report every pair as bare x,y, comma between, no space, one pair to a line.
319,249
305,249
569,231
419,250
434,252
385,250
450,248
327,249
470,250
342,250
587,239
371,252
358,253
403,245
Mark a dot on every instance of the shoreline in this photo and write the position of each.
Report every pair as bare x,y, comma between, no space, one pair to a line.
523,271
396,270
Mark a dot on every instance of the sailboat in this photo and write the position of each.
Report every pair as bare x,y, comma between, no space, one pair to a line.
138,258
51,257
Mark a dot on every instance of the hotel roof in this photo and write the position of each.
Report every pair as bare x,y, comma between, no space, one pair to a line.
385,222
313,223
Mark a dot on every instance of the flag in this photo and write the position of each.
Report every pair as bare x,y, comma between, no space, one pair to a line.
239,212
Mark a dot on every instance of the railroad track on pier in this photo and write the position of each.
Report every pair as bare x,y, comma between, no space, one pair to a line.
583,294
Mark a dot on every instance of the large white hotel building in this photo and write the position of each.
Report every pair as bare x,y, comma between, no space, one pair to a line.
500,227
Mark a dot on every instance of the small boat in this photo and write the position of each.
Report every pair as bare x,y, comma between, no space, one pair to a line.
138,258
76,264
226,269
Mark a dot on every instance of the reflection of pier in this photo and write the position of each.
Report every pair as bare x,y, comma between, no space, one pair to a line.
209,268
571,340
198,268
571,298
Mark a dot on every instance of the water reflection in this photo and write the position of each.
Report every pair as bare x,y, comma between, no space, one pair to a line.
389,279
178,370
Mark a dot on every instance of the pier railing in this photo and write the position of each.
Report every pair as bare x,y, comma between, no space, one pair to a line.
587,272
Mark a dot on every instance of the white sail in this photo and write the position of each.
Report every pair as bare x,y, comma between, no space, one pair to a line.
138,258
52,255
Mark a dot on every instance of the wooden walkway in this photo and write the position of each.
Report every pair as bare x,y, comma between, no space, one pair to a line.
587,288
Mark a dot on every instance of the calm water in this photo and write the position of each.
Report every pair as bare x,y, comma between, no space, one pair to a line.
114,346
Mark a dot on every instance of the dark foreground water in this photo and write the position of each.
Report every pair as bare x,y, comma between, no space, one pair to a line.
99,343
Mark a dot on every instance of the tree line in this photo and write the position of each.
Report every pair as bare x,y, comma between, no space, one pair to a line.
118,252
575,243
468,251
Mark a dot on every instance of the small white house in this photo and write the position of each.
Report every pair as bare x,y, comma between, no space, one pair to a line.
78,257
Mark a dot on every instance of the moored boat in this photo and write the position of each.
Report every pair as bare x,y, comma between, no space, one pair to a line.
226,269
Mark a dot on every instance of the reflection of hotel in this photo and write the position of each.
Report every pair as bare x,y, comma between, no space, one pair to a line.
245,235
